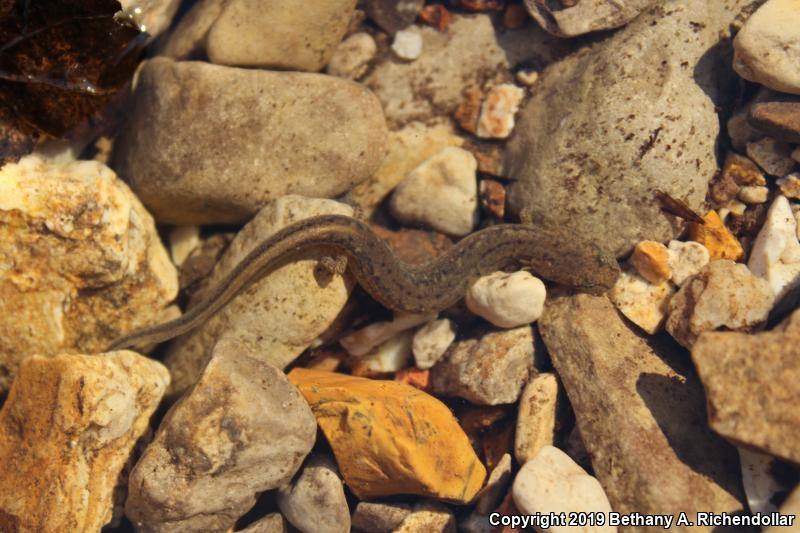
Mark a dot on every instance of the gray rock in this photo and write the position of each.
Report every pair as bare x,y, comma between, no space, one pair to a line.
641,412
277,133
315,501
585,16
393,15
638,115
243,429
378,517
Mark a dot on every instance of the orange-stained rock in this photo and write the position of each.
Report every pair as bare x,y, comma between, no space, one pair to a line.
390,438
719,240
415,377
651,260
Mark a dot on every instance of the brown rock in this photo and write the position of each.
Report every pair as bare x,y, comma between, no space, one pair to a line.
429,517
779,118
467,112
640,410
742,170
537,421
377,517
493,197
751,383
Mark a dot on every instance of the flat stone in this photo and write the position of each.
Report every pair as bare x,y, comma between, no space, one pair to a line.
315,500
641,413
778,118
750,382
429,517
537,420
274,135
577,18
639,116
67,430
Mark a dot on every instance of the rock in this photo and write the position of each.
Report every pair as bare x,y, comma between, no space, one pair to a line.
377,517
651,260
489,369
183,240
778,117
471,51
775,256
431,341
790,185
272,523
766,51
740,131
315,501
771,155
351,58
686,259
643,303
750,380
507,300
428,517
497,483
243,429
301,37
588,160
67,430
414,377
407,44
537,420
496,120
391,356
722,294
742,170
270,137
80,261
393,15
365,340
390,438
585,16
758,480
641,412
281,313
751,194
717,239
552,482
440,193
493,198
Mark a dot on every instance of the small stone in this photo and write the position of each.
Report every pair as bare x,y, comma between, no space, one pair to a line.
775,255
407,44
772,155
553,482
431,342
351,58
751,382
415,377
440,193
759,484
644,303
493,197
722,189
67,430
272,523
496,120
686,259
390,438
537,420
716,237
428,517
182,242
751,194
527,77
778,117
392,355
740,131
487,370
651,260
497,483
507,300
725,294
315,500
377,517
468,111
742,170
766,51
363,341
393,15
790,185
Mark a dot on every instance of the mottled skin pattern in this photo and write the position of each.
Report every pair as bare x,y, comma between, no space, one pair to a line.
397,285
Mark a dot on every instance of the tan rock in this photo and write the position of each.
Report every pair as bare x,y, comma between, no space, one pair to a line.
537,420
686,259
378,517
752,194
790,185
272,523
496,120
67,430
742,170
351,58
717,238
772,155
651,260
80,261
643,303
429,517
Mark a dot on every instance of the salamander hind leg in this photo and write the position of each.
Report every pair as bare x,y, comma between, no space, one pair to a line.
334,265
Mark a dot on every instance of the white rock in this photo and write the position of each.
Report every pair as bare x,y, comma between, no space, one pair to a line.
767,49
643,303
759,484
771,155
527,77
391,356
507,300
496,120
686,259
352,56
182,241
553,482
431,342
363,341
536,421
775,256
407,44
753,194
442,193
790,185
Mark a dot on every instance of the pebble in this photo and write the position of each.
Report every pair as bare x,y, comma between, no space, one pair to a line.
742,170
750,194
772,155
351,58
778,117
315,500
496,119
716,237
644,303
442,193
490,369
75,242
286,145
759,483
429,517
750,379
552,482
741,131
272,523
390,438
651,260
507,300
722,294
431,341
790,185
527,77
577,18
243,429
493,198
67,430
379,517
182,242
390,356
407,44
365,340
393,15
775,255
686,259
765,50
537,420
496,485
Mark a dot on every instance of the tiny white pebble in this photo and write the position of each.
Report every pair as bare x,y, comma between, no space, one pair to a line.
431,341
753,194
407,44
